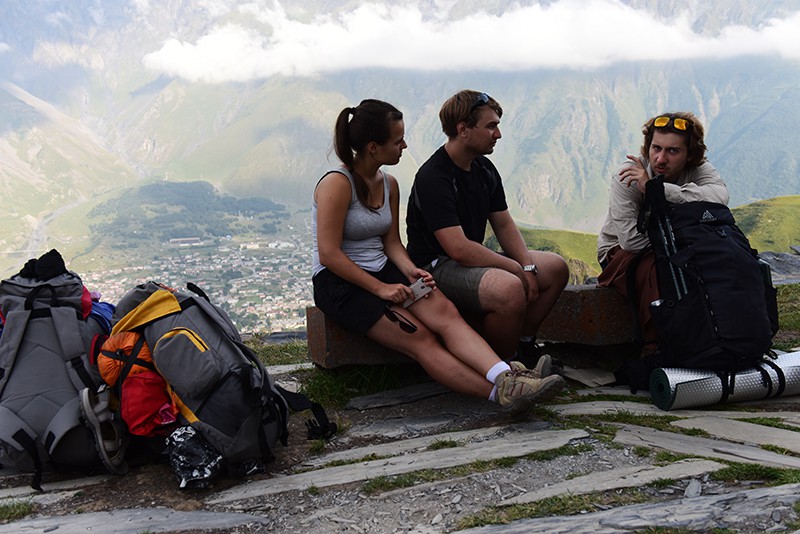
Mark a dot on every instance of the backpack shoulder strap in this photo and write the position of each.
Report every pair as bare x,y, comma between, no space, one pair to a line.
318,428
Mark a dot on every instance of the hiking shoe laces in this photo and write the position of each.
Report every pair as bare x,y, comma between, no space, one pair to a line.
518,389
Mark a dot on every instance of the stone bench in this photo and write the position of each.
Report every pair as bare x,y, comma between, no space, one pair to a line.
584,314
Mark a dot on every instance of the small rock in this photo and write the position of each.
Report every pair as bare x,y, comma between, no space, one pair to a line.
694,489
456,499
437,519
776,516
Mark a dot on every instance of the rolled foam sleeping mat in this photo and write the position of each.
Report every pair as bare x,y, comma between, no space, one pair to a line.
673,389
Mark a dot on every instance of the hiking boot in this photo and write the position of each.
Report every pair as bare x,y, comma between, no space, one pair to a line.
544,367
528,353
518,389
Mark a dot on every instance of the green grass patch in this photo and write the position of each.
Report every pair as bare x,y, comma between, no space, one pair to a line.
788,336
552,454
14,510
317,446
662,483
334,387
770,224
779,450
444,444
736,472
774,422
336,463
667,457
658,422
291,352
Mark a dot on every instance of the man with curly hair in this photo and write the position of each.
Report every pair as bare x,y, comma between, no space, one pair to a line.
673,147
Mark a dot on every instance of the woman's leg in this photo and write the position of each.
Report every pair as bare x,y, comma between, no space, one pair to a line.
423,347
440,315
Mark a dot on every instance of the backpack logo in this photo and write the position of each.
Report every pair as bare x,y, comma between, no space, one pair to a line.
707,217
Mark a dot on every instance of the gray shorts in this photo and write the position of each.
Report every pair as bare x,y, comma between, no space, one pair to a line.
459,284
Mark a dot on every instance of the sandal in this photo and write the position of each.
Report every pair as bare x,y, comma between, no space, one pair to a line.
108,431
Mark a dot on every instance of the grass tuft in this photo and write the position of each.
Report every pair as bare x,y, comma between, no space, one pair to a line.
11,511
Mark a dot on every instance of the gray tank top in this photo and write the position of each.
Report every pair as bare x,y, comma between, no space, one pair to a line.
363,229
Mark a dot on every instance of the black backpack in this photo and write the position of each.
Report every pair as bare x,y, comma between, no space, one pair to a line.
718,307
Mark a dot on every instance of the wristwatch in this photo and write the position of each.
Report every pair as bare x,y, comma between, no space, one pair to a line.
530,268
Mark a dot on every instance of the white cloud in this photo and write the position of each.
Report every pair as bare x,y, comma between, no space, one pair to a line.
576,34
4,47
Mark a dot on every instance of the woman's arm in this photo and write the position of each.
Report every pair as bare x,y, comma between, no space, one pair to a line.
393,246
333,195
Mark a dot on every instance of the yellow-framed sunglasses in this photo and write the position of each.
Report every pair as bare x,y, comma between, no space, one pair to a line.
677,122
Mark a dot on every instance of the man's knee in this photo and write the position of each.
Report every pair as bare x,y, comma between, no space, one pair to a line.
502,291
553,269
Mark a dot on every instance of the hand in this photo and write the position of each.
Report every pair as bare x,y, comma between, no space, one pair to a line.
395,293
531,285
635,173
427,277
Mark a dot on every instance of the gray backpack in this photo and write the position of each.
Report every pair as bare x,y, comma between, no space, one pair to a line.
220,387
45,344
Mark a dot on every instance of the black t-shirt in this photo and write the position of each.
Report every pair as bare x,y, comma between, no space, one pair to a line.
444,195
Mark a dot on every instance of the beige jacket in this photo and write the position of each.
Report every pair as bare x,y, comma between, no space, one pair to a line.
624,203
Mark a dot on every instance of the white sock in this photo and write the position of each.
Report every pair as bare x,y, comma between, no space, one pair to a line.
496,370
493,394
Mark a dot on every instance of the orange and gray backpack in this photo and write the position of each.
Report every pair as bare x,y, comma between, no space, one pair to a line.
219,386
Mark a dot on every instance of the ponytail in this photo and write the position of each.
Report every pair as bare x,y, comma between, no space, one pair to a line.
371,122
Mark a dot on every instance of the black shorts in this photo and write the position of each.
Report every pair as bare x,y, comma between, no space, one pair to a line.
349,305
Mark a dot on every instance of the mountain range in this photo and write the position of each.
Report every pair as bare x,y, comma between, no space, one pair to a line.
86,119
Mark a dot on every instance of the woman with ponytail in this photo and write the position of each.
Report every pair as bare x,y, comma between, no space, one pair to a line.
362,271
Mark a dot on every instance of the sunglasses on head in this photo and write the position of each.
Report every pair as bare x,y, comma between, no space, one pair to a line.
402,321
481,99
677,123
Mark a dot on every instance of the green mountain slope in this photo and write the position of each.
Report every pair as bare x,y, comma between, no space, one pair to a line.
772,224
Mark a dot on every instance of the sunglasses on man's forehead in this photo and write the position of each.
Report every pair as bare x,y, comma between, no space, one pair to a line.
481,99
677,122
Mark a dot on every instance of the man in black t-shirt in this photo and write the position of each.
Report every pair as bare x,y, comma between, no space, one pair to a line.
456,192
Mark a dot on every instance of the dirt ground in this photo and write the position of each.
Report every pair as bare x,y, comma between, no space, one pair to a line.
153,484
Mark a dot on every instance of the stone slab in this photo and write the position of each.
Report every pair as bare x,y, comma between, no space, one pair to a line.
702,447
133,521
639,408
330,345
584,314
744,432
405,446
47,487
625,477
397,396
589,315
589,376
512,445
697,514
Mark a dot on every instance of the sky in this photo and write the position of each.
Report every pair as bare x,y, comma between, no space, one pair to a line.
564,34
245,40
